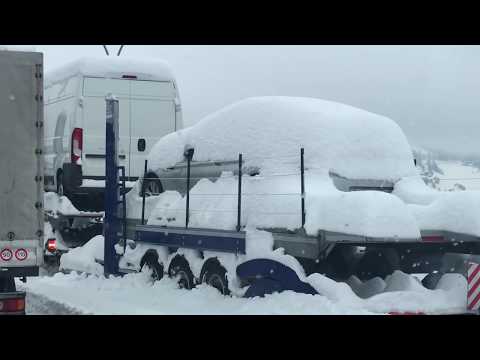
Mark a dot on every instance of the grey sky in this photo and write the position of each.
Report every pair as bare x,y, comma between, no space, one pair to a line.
430,91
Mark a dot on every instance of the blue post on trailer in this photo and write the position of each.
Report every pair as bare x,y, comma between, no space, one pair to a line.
111,224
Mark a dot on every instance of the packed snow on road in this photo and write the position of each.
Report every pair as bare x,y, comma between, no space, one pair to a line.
135,294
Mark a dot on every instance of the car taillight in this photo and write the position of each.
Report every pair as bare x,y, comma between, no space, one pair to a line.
12,305
6,254
77,145
433,238
51,245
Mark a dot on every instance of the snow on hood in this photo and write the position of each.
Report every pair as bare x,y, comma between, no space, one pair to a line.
112,67
269,131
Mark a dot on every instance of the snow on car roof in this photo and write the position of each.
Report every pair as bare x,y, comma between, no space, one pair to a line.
269,132
112,67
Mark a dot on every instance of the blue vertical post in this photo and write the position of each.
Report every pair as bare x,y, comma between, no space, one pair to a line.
302,183
111,224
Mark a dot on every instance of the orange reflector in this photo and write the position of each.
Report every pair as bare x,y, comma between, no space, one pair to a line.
433,238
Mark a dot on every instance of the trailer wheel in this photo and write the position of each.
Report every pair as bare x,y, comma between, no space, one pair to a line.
377,262
431,280
180,269
150,262
215,275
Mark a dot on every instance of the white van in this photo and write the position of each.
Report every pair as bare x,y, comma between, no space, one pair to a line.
75,114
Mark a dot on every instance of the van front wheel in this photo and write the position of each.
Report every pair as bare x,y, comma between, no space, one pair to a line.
60,190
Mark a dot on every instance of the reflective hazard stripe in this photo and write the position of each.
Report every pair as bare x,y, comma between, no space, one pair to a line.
473,279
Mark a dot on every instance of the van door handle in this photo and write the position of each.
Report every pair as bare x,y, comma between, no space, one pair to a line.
122,156
141,145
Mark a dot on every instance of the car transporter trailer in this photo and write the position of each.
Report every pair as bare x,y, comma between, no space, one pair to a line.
264,276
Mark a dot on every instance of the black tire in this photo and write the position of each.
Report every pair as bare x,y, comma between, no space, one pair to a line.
7,284
151,185
216,276
381,263
60,188
431,280
150,262
180,268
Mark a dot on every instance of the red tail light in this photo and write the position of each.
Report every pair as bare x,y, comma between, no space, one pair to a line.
51,245
433,238
77,145
12,305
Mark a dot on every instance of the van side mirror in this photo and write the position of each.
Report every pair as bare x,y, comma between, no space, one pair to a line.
141,145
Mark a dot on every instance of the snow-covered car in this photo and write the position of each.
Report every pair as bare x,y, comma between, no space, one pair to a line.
349,154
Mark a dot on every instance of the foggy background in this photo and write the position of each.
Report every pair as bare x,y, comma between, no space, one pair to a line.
430,91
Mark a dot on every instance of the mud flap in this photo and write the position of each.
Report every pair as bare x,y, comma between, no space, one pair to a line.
267,276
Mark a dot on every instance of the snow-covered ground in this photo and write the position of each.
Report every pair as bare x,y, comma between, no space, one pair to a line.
456,172
135,294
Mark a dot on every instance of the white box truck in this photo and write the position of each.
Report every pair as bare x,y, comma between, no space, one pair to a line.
21,180
75,121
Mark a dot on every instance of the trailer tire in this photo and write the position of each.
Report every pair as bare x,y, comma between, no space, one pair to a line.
215,275
431,280
150,262
180,268
378,262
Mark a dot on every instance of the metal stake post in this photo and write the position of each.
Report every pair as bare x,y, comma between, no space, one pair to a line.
239,208
143,192
302,174
111,223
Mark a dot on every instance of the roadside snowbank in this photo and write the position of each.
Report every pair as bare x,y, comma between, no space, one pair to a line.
134,294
